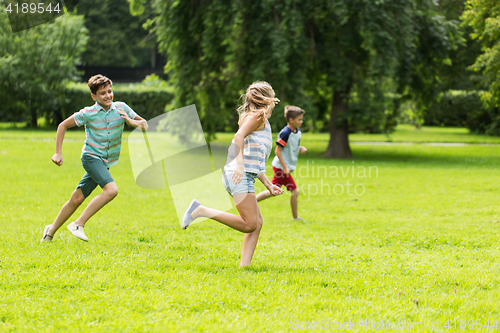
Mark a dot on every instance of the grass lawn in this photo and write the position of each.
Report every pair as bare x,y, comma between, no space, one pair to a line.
403,133
411,236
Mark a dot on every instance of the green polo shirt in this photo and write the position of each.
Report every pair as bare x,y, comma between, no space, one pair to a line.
103,130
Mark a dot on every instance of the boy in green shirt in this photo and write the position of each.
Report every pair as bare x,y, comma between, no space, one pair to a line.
104,123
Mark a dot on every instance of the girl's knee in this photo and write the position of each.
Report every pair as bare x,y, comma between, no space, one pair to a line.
251,225
260,222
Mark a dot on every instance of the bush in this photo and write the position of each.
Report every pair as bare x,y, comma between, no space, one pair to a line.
464,109
147,100
458,109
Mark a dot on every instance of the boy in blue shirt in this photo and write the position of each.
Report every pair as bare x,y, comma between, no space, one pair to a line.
104,122
287,153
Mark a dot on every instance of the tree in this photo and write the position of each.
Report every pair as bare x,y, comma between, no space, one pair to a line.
484,18
35,63
458,76
120,40
218,47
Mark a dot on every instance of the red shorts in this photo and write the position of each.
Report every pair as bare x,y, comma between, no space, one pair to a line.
280,179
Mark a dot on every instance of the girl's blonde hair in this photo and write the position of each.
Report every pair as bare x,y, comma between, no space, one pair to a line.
259,100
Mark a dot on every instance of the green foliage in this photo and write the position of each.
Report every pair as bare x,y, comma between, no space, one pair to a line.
35,63
454,110
458,76
147,100
421,69
484,17
307,50
116,38
464,109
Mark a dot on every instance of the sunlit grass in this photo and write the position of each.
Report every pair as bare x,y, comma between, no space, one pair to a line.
420,244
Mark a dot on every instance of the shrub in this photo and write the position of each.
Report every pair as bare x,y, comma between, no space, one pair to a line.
148,100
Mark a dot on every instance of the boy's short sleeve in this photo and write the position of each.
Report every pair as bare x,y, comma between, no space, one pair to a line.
283,137
128,110
81,118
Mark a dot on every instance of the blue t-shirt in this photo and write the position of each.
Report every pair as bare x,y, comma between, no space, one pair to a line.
290,142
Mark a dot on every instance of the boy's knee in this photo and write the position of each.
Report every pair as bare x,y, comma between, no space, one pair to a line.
77,198
111,190
295,191
113,193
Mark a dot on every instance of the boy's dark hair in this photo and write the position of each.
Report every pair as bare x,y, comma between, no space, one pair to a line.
98,81
292,112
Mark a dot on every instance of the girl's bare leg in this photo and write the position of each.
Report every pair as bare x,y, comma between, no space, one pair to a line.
247,206
250,222
250,243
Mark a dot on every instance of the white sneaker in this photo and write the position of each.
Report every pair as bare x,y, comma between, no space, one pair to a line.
299,219
77,230
187,219
46,238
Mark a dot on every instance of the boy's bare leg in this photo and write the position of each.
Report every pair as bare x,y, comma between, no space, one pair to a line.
249,244
294,203
66,211
263,195
109,192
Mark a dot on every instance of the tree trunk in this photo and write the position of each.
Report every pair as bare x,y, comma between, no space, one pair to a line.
338,147
34,120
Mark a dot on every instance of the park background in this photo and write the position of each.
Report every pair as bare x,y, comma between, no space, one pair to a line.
409,88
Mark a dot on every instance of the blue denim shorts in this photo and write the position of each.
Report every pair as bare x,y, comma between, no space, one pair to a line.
246,185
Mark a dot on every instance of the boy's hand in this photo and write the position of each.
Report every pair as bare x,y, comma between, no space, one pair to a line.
275,190
302,149
124,115
57,159
286,171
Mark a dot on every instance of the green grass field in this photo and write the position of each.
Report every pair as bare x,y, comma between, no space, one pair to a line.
414,241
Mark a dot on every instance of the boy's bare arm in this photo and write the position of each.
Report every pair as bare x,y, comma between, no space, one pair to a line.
137,122
61,131
277,151
302,149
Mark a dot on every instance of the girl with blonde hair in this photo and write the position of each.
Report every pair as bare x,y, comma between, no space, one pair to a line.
246,161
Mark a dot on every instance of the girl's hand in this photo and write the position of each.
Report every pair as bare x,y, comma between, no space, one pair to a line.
57,159
275,190
237,175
